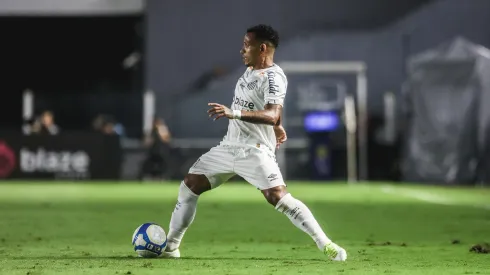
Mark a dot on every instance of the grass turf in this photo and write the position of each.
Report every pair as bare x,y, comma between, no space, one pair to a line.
86,228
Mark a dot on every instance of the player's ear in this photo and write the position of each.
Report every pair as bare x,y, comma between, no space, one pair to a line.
263,47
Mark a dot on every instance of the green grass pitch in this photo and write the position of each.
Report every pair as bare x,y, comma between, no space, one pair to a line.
86,228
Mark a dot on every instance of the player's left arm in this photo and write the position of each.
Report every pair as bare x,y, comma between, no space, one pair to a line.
270,115
274,94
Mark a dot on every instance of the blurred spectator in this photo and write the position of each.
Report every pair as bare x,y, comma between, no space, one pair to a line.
158,144
107,125
98,123
108,128
119,129
45,125
27,127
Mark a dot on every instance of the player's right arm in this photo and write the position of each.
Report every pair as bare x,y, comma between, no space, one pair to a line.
278,123
280,134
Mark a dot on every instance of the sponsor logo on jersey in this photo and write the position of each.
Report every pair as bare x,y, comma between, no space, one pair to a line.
273,88
243,103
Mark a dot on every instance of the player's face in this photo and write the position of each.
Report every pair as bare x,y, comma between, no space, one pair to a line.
250,50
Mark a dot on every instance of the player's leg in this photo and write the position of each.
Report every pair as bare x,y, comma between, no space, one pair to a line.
209,171
261,170
185,210
299,214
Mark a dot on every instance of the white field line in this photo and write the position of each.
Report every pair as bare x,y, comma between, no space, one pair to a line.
427,197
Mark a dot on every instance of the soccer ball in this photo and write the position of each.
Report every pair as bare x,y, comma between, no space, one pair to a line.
149,240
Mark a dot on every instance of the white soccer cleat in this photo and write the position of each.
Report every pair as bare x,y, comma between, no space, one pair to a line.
335,252
171,254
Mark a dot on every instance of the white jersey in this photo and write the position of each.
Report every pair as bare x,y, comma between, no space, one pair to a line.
254,90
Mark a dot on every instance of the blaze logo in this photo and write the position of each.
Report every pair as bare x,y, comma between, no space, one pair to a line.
7,160
243,103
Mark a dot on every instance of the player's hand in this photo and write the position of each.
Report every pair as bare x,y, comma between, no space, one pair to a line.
218,111
281,136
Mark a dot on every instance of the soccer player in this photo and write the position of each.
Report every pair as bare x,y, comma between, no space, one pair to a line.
248,149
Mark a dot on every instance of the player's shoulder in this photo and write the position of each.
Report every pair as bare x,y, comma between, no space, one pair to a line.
275,72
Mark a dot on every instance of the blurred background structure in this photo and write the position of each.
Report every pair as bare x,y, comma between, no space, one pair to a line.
380,90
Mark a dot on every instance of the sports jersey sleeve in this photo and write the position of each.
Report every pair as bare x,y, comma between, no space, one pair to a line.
275,88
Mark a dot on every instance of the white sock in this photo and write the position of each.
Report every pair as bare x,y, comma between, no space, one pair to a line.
302,218
182,217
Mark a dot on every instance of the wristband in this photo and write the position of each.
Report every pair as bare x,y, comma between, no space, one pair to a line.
237,114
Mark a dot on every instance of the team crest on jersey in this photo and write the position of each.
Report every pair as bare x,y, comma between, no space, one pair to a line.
252,85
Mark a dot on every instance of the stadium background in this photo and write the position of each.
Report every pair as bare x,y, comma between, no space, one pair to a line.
120,65
405,191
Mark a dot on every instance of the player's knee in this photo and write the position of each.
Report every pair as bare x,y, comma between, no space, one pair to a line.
198,184
275,194
273,199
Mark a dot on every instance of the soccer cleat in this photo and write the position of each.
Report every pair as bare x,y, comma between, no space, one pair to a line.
171,254
335,252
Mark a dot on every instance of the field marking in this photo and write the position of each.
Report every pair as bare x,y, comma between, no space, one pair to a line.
427,197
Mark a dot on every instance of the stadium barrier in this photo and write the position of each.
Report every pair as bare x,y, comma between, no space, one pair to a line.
68,156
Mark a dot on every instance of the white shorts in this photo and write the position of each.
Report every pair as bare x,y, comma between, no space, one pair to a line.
256,166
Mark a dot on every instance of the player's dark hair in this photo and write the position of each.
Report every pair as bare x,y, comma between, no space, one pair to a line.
265,33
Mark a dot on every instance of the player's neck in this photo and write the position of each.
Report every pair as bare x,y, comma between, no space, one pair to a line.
264,63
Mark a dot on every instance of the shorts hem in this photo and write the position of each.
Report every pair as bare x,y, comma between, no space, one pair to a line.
272,186
208,176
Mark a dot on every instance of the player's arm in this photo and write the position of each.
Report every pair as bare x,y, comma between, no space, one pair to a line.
279,122
280,132
270,115
274,94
